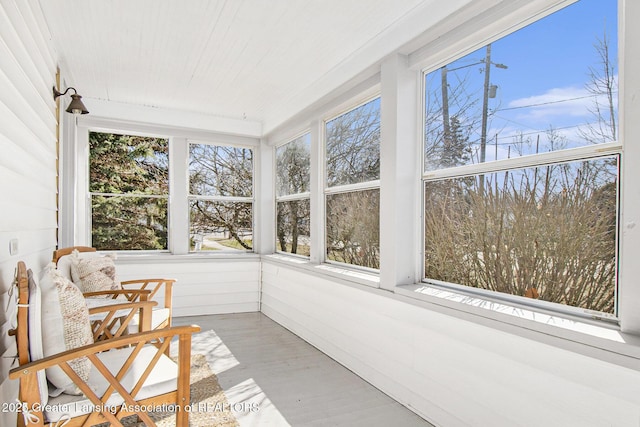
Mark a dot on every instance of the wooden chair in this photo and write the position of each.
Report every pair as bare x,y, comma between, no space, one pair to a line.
161,315
128,375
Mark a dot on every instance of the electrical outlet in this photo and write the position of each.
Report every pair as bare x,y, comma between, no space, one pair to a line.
13,247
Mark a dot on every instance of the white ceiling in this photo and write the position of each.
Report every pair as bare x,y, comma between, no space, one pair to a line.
255,60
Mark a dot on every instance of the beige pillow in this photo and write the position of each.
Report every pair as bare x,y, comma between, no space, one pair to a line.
93,274
65,326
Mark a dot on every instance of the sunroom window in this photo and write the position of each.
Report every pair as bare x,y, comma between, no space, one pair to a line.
352,189
521,165
129,189
220,197
293,213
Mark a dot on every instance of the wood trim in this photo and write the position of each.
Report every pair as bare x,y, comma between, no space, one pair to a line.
59,253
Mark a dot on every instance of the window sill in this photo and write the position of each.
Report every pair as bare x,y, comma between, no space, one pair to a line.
149,258
592,338
348,275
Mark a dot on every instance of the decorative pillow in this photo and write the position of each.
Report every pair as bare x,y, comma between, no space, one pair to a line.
95,273
65,326
36,351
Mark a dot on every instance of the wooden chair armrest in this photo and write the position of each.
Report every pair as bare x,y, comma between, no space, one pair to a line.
140,338
125,305
135,281
132,295
154,285
117,317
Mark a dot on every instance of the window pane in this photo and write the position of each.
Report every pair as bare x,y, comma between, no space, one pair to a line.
128,164
293,234
353,228
220,225
549,86
128,223
220,171
548,232
293,161
353,146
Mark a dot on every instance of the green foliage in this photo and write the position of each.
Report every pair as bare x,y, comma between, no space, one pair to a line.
128,172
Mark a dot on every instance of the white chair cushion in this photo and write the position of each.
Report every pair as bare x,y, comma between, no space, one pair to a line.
65,326
163,379
36,352
158,315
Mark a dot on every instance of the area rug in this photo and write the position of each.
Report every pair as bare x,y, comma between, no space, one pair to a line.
209,406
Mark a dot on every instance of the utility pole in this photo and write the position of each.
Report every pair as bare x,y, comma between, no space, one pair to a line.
489,91
485,105
485,108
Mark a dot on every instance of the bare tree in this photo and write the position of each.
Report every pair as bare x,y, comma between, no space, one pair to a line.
293,162
353,156
546,232
221,171
603,86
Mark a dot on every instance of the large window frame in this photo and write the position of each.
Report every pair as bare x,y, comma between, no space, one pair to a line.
344,190
78,219
293,197
121,195
563,156
225,199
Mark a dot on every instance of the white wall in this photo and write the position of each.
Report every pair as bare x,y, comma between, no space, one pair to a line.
27,157
452,372
203,286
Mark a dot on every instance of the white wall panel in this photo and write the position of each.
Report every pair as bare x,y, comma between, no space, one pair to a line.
450,371
203,286
27,160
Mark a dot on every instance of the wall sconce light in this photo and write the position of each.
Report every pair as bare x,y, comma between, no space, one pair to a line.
75,106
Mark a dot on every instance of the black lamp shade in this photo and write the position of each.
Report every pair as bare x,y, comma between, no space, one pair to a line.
76,106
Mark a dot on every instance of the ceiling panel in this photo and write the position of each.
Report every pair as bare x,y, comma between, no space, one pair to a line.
234,58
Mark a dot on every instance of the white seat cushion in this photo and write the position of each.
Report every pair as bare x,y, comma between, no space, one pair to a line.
158,315
163,379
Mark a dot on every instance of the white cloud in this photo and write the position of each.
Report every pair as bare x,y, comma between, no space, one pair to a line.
555,103
556,106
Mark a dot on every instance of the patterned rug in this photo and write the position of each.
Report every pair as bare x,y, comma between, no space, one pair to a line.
210,407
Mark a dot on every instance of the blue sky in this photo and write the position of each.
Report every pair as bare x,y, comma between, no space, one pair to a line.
548,70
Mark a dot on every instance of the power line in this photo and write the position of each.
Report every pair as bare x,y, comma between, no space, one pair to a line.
536,132
549,102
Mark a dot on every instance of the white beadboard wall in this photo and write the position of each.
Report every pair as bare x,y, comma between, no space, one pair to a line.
27,159
206,286
450,371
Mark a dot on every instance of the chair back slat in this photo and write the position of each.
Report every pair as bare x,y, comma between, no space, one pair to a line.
57,254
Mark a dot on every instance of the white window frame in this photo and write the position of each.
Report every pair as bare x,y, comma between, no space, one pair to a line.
555,157
291,197
78,218
217,198
344,108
